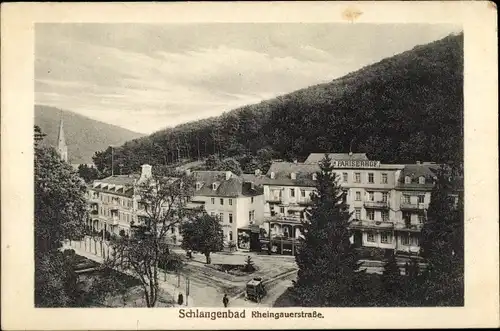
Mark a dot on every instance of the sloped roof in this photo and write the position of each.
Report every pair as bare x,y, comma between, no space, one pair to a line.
317,157
415,171
233,187
283,170
119,179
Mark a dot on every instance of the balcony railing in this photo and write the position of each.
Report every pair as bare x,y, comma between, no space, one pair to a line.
412,206
376,204
304,201
369,224
284,219
142,212
275,199
408,227
94,199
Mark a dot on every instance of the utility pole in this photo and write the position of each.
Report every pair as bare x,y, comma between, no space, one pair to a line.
198,144
178,150
112,162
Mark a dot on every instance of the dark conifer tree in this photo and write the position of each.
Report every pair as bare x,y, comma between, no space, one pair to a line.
442,241
328,263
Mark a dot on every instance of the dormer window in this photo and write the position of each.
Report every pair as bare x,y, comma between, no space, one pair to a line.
293,175
198,186
314,176
272,175
407,180
421,180
214,186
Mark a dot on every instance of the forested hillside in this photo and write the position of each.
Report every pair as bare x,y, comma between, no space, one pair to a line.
84,136
402,109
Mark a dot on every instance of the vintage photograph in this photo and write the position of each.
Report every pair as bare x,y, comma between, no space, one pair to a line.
248,165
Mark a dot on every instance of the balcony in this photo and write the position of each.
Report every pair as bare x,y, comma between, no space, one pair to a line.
275,199
284,219
412,206
304,201
142,212
94,199
368,224
376,204
409,227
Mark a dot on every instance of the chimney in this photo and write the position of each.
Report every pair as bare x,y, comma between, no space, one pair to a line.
188,172
418,162
257,172
293,175
295,161
146,171
272,175
228,175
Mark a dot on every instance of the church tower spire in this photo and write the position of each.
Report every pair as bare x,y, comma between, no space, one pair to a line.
62,148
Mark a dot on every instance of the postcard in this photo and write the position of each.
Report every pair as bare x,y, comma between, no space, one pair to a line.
249,165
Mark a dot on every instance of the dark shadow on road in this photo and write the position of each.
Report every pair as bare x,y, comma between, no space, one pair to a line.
286,299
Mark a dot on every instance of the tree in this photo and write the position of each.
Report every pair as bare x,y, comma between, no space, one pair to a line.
392,280
328,264
87,173
60,213
212,162
203,234
442,240
232,165
60,206
162,199
249,265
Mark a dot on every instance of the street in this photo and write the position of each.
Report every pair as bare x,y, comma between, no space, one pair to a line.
274,291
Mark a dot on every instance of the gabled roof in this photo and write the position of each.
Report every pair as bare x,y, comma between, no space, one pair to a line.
317,157
283,170
415,171
233,187
119,179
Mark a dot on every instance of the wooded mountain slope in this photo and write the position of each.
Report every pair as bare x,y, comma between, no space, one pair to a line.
403,109
84,136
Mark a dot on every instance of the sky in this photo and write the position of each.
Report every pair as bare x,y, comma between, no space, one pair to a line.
145,77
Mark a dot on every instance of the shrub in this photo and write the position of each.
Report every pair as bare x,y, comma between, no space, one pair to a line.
249,265
171,262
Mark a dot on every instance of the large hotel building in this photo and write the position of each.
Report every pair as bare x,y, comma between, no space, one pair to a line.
388,202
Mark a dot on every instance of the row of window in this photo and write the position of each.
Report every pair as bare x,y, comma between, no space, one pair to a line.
230,201
407,199
386,238
357,178
106,198
371,196
251,216
121,215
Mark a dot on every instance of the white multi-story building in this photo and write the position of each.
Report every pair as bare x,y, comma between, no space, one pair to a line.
387,201
236,201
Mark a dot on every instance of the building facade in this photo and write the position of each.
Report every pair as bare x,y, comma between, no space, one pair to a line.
388,202
236,200
115,204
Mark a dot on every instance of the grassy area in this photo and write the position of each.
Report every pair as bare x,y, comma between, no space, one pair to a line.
110,288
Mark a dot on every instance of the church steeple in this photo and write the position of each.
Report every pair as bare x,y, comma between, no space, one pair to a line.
62,148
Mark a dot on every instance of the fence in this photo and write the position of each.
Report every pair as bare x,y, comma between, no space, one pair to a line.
178,283
94,246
